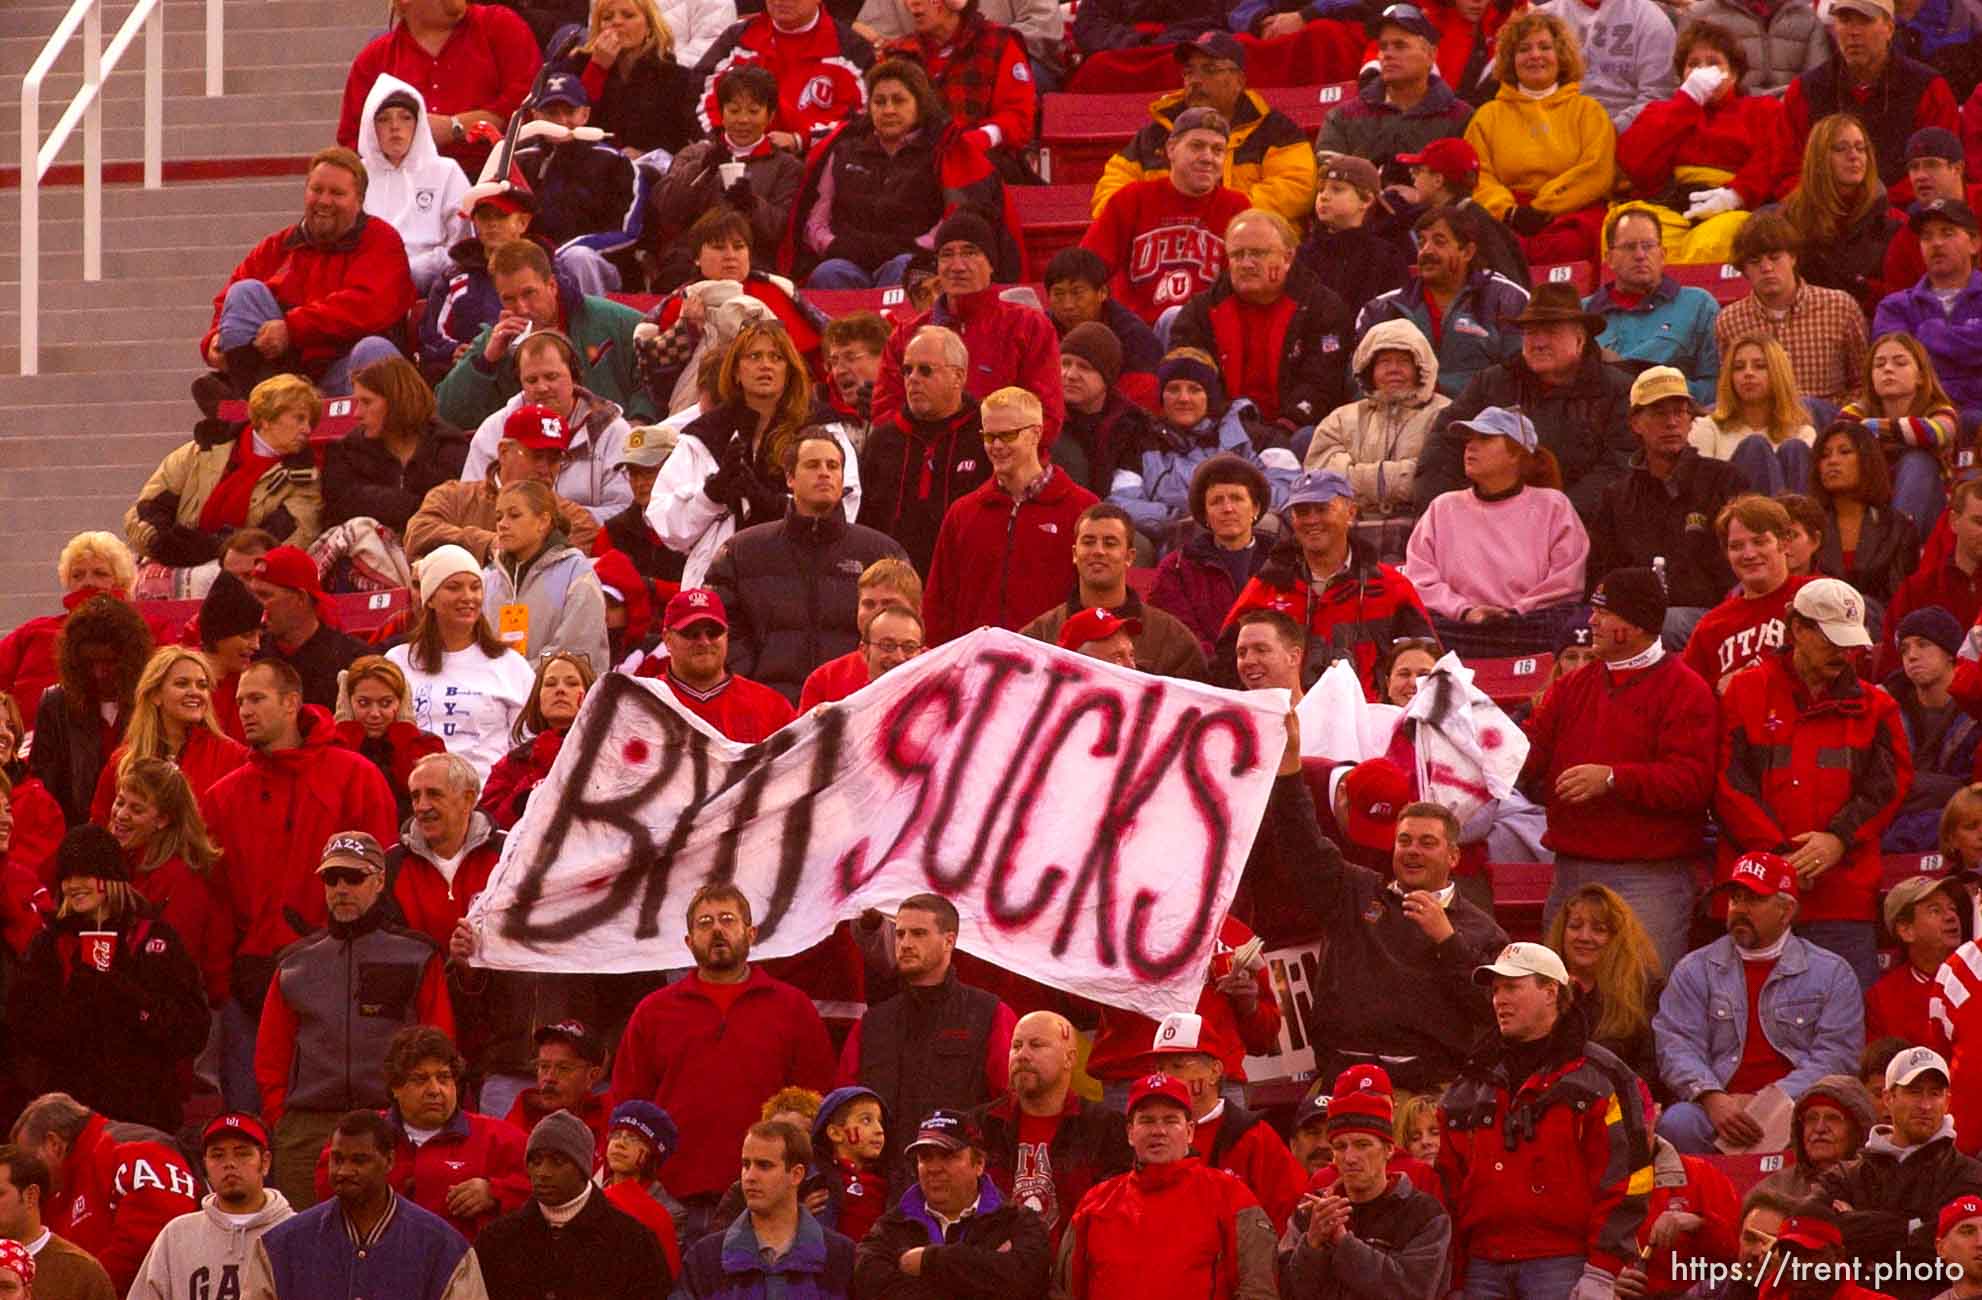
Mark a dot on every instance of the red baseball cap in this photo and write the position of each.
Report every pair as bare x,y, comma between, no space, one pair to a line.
1765,874
695,605
1451,158
1159,1087
234,1124
292,568
1814,1233
537,427
1095,624
1375,790
1958,1211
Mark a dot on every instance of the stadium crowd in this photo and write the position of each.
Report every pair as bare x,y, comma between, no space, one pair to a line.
604,286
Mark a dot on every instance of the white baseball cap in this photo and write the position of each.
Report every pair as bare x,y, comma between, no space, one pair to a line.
1912,1063
1180,1031
1837,609
1518,959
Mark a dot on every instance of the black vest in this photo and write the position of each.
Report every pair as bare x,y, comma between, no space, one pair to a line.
1888,114
923,1049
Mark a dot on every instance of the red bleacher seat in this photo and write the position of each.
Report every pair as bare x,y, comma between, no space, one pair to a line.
1723,282
168,618
1519,891
1744,1171
1078,133
1507,682
1051,217
360,612
1581,274
338,418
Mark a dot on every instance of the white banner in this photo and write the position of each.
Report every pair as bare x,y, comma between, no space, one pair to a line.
1469,753
1089,822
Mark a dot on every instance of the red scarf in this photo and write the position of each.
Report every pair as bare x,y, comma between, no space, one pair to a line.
227,505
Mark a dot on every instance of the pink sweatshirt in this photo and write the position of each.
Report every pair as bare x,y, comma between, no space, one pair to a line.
1523,553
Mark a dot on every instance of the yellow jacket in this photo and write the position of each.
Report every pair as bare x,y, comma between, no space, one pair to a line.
1268,159
1562,150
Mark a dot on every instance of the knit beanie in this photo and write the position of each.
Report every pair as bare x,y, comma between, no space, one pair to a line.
563,1133
966,225
90,850
1634,595
1197,372
442,563
1097,345
1935,624
229,609
1363,1103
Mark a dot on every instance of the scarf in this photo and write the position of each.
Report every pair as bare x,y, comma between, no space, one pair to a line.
1543,93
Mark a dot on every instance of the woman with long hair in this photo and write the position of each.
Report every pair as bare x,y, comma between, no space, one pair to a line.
467,686
99,658
1839,210
1867,542
539,589
1548,152
1615,967
155,818
641,95
400,450
172,718
375,718
37,824
108,1006
90,563
1759,423
1904,406
563,679
727,468
1499,564
1961,831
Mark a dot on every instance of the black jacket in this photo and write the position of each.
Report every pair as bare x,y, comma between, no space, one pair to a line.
582,189
1895,1204
912,470
601,1254
649,105
112,1039
361,479
1314,359
1644,518
792,592
1091,1145
1888,550
68,754
1585,423
922,1050
1092,447
628,532
318,661
1854,259
1373,951
693,185
1112,24
881,201
1397,1248
997,1252
1357,264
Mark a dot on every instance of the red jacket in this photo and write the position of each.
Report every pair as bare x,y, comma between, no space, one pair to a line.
1744,134
1690,1185
38,828
983,75
1654,728
744,710
1359,613
331,297
1001,563
1161,247
207,757
487,63
1933,583
529,1108
1257,1157
1901,1005
468,1146
25,906
270,820
406,743
636,1201
833,680
115,1197
1571,1181
1122,1042
1010,345
1789,763
27,658
517,773
1174,1222
712,1072
818,71
185,900
429,902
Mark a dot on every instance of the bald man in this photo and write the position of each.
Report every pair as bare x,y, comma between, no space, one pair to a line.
1044,1146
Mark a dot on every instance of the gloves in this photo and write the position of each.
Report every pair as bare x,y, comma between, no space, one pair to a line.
1527,221
181,546
1711,203
1702,84
726,487
1595,1284
740,196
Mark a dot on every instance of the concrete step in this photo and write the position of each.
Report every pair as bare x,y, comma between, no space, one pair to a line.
300,103
93,325
280,194
47,435
126,226
59,269
83,395
175,292
185,45
92,356
188,80
179,140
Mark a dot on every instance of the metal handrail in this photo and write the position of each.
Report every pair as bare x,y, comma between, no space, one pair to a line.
37,155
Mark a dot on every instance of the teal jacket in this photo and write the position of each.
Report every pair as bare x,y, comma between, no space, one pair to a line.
603,332
1672,326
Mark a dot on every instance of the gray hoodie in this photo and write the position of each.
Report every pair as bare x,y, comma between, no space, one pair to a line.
205,1242
1848,1095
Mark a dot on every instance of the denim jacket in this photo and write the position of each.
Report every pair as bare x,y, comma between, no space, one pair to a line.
1812,1012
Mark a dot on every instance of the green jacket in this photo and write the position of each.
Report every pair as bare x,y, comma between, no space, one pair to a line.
603,332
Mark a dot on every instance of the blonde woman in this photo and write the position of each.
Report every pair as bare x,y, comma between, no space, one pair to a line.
1615,967
1758,424
155,818
172,719
90,563
641,95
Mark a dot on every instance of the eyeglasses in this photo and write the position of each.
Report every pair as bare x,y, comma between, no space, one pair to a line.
1637,247
709,921
910,648
700,632
562,1069
344,876
1007,436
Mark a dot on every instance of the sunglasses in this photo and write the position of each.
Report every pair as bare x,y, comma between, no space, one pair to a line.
701,632
1007,436
344,876
922,369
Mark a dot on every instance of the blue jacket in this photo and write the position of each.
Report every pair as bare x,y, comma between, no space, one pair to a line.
1156,489
1673,326
412,1257
1952,339
1812,1012
1473,335
726,1266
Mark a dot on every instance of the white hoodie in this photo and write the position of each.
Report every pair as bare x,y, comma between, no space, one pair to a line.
421,197
205,1243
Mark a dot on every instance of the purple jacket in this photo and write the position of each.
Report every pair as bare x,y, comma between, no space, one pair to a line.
1952,339
1192,585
